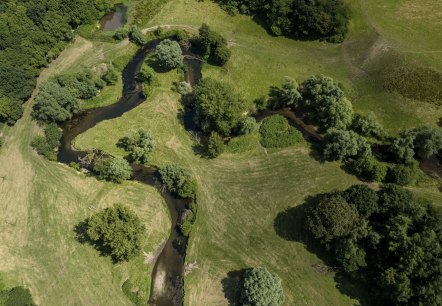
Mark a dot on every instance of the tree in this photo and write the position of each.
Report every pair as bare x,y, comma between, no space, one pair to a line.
136,36
369,168
324,101
331,217
178,180
111,76
260,287
247,126
363,198
140,144
147,75
118,231
54,103
114,169
215,145
213,46
339,144
403,174
403,146
286,96
367,125
218,107
169,55
276,132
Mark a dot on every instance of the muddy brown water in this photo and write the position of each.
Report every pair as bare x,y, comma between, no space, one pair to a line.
115,18
168,271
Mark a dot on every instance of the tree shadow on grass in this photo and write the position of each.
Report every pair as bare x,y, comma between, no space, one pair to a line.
82,237
290,225
232,286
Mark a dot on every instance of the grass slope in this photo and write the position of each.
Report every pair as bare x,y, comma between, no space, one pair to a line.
43,201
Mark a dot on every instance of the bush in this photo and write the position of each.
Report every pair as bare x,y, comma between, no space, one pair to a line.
183,88
369,168
111,76
286,96
114,169
140,144
340,144
169,55
260,287
403,174
147,75
121,33
116,231
178,181
213,46
247,126
218,108
215,145
10,110
136,36
276,132
47,145
53,135
366,125
261,103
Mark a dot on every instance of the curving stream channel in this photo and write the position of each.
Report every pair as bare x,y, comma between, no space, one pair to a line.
168,271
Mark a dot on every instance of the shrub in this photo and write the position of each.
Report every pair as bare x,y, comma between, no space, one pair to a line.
369,168
10,110
136,36
215,145
116,231
114,169
140,144
403,174
340,144
286,96
221,55
47,145
53,135
183,88
276,132
111,76
178,181
213,46
324,101
147,75
121,33
218,107
169,55
247,126
260,287
366,125
261,103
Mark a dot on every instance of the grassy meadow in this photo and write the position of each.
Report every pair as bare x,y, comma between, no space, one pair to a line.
241,195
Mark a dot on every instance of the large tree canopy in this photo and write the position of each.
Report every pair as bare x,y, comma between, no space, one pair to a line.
217,107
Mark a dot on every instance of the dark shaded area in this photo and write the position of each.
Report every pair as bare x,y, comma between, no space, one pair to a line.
115,18
232,284
17,296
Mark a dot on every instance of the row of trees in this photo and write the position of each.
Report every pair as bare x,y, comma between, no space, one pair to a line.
303,19
388,238
32,34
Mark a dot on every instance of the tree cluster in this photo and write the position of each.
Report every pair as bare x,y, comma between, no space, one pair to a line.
140,144
303,19
178,180
116,231
32,34
276,132
48,144
213,46
169,55
387,237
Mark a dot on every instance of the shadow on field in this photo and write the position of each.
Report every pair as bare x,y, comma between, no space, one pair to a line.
232,286
290,225
82,237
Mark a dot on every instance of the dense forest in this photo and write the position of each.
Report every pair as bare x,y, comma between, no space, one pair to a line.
32,34
302,19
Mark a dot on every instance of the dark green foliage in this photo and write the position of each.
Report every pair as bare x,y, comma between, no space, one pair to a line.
217,107
260,287
18,296
247,126
332,217
286,96
303,19
178,181
325,104
215,145
116,231
121,33
261,103
47,145
340,144
54,103
213,46
187,222
397,242
147,75
403,174
140,144
276,132
369,168
366,125
169,55
415,83
32,34
10,110
363,198
136,36
82,85
111,76
114,169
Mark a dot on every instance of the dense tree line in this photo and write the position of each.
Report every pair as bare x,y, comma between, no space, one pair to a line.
388,238
32,34
304,19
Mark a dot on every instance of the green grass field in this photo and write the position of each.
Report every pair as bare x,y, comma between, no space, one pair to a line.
240,194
